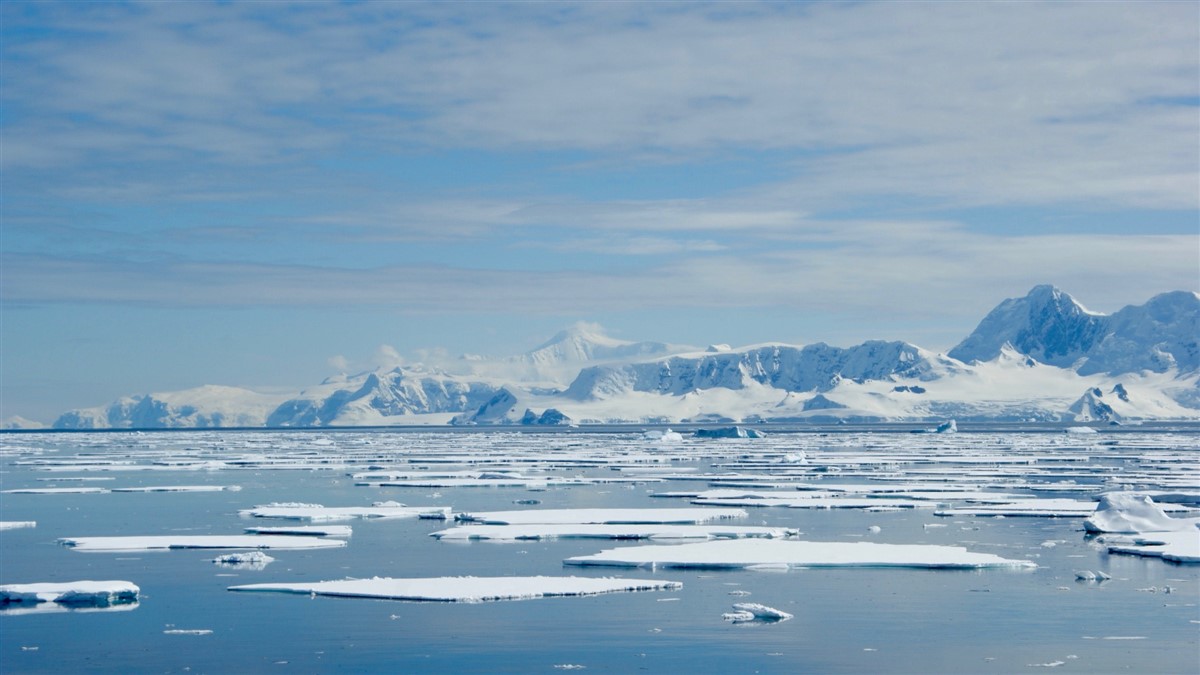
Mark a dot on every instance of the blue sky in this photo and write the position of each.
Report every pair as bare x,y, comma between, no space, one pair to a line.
259,194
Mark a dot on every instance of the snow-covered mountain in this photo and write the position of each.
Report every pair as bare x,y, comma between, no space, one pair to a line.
1040,357
206,406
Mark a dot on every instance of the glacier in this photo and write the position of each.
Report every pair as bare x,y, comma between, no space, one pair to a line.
1042,357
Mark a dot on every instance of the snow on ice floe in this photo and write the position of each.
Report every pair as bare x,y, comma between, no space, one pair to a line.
1133,513
57,491
465,589
601,516
305,530
627,531
167,542
317,512
1179,546
780,553
752,611
16,524
181,488
71,593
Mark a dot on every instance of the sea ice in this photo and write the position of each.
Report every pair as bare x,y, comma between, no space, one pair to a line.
756,553
249,560
1179,546
164,542
316,512
305,530
752,611
16,524
71,593
181,488
465,589
576,531
57,491
601,516
1132,513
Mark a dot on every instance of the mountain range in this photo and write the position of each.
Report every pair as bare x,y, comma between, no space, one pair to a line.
1041,357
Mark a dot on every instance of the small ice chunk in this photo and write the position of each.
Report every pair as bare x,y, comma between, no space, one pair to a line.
465,589
248,560
16,524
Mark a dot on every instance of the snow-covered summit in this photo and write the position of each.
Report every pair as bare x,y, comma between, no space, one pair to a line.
584,343
1047,324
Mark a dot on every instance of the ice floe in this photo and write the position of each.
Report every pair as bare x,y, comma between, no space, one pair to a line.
16,524
165,542
317,512
752,611
254,560
1179,546
465,589
57,491
181,488
780,553
600,516
305,530
71,593
595,531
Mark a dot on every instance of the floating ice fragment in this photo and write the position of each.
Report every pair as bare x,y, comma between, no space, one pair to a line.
16,524
571,531
315,512
874,529
465,589
187,631
71,593
256,560
1133,513
601,516
305,530
246,541
785,553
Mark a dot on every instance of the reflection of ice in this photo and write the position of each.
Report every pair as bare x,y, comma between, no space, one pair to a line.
465,589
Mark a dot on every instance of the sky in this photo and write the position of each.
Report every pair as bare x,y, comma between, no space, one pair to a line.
263,194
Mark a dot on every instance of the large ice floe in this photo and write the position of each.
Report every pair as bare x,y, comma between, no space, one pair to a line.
70,593
318,512
167,542
601,516
465,589
631,531
785,553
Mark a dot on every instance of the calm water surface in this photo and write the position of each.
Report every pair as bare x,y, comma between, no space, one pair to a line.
846,621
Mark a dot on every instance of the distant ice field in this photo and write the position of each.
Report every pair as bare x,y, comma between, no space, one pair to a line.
1142,618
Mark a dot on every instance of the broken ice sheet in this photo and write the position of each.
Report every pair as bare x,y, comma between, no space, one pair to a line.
686,516
70,593
592,531
317,512
780,553
465,589
244,541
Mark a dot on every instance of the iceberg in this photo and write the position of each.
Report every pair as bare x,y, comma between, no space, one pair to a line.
574,531
167,542
780,553
601,516
464,589
1133,513
251,560
71,593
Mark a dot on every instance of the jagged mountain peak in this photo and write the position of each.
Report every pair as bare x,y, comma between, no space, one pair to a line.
1046,324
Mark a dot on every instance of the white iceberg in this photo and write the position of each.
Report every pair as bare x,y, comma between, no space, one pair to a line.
316,512
1132,513
465,589
577,531
166,542
781,553
71,593
601,516
752,611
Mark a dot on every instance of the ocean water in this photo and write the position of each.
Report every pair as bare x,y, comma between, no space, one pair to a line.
846,620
